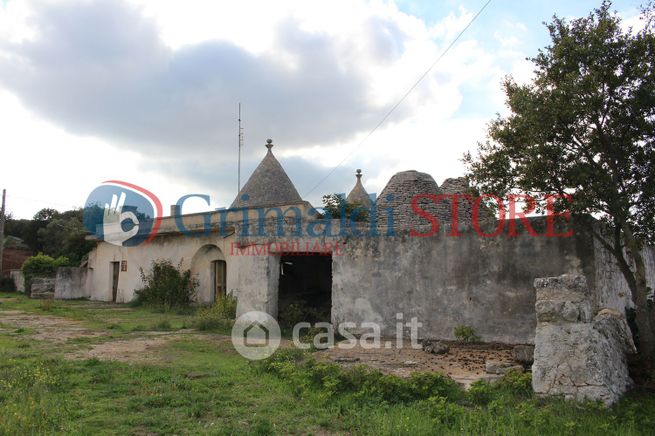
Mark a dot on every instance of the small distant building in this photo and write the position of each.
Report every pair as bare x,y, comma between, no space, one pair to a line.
14,254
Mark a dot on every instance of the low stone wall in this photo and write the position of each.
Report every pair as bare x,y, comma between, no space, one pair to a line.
580,350
70,283
42,287
19,279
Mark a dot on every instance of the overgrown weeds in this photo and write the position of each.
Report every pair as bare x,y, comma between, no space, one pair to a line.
219,316
361,382
166,286
465,333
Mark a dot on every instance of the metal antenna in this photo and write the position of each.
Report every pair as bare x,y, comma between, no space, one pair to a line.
240,145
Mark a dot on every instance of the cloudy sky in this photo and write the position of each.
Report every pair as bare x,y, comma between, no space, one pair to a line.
147,91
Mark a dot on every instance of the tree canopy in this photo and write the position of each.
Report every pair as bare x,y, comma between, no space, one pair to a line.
584,127
53,233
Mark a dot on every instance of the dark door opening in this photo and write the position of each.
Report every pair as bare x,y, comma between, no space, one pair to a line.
305,288
115,271
218,279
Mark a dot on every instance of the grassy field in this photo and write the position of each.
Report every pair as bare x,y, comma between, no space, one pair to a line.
195,383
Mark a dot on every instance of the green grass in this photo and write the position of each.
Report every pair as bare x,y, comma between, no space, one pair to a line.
102,315
202,386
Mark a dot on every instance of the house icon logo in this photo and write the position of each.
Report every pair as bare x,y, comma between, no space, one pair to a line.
256,335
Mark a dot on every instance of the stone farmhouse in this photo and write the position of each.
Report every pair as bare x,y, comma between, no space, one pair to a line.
271,248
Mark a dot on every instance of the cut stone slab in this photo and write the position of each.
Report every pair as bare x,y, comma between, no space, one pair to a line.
435,347
43,288
523,354
501,368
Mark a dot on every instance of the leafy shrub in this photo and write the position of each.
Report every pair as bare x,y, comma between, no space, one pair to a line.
511,387
363,383
516,383
442,411
41,265
480,392
166,285
219,316
335,206
466,333
7,284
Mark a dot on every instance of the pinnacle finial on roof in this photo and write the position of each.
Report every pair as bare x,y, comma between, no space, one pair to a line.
358,194
268,186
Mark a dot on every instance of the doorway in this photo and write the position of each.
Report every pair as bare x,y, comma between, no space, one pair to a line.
115,271
305,288
218,279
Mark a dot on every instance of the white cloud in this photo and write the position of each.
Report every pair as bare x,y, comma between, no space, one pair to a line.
152,108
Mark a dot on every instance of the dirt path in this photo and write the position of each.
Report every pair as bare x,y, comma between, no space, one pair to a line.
46,327
141,349
59,330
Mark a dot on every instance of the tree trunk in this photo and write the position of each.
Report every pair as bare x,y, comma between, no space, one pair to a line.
640,297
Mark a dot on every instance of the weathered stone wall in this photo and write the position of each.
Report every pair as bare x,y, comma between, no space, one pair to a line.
42,287
579,350
485,283
611,289
70,283
180,249
19,279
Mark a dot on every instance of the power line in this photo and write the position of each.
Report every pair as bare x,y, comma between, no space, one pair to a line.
41,201
393,108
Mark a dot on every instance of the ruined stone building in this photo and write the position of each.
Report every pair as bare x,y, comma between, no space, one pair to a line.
445,281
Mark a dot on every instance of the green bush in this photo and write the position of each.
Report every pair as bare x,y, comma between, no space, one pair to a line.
166,286
219,316
335,205
363,383
7,284
466,333
41,265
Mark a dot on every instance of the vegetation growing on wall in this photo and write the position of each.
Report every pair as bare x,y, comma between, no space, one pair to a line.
466,333
219,316
166,285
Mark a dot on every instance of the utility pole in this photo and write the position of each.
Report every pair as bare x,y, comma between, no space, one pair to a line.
239,161
2,229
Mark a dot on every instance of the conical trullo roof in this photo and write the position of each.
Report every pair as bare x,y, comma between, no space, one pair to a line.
268,185
358,194
398,195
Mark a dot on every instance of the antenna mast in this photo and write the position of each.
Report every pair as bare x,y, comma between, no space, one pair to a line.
240,145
